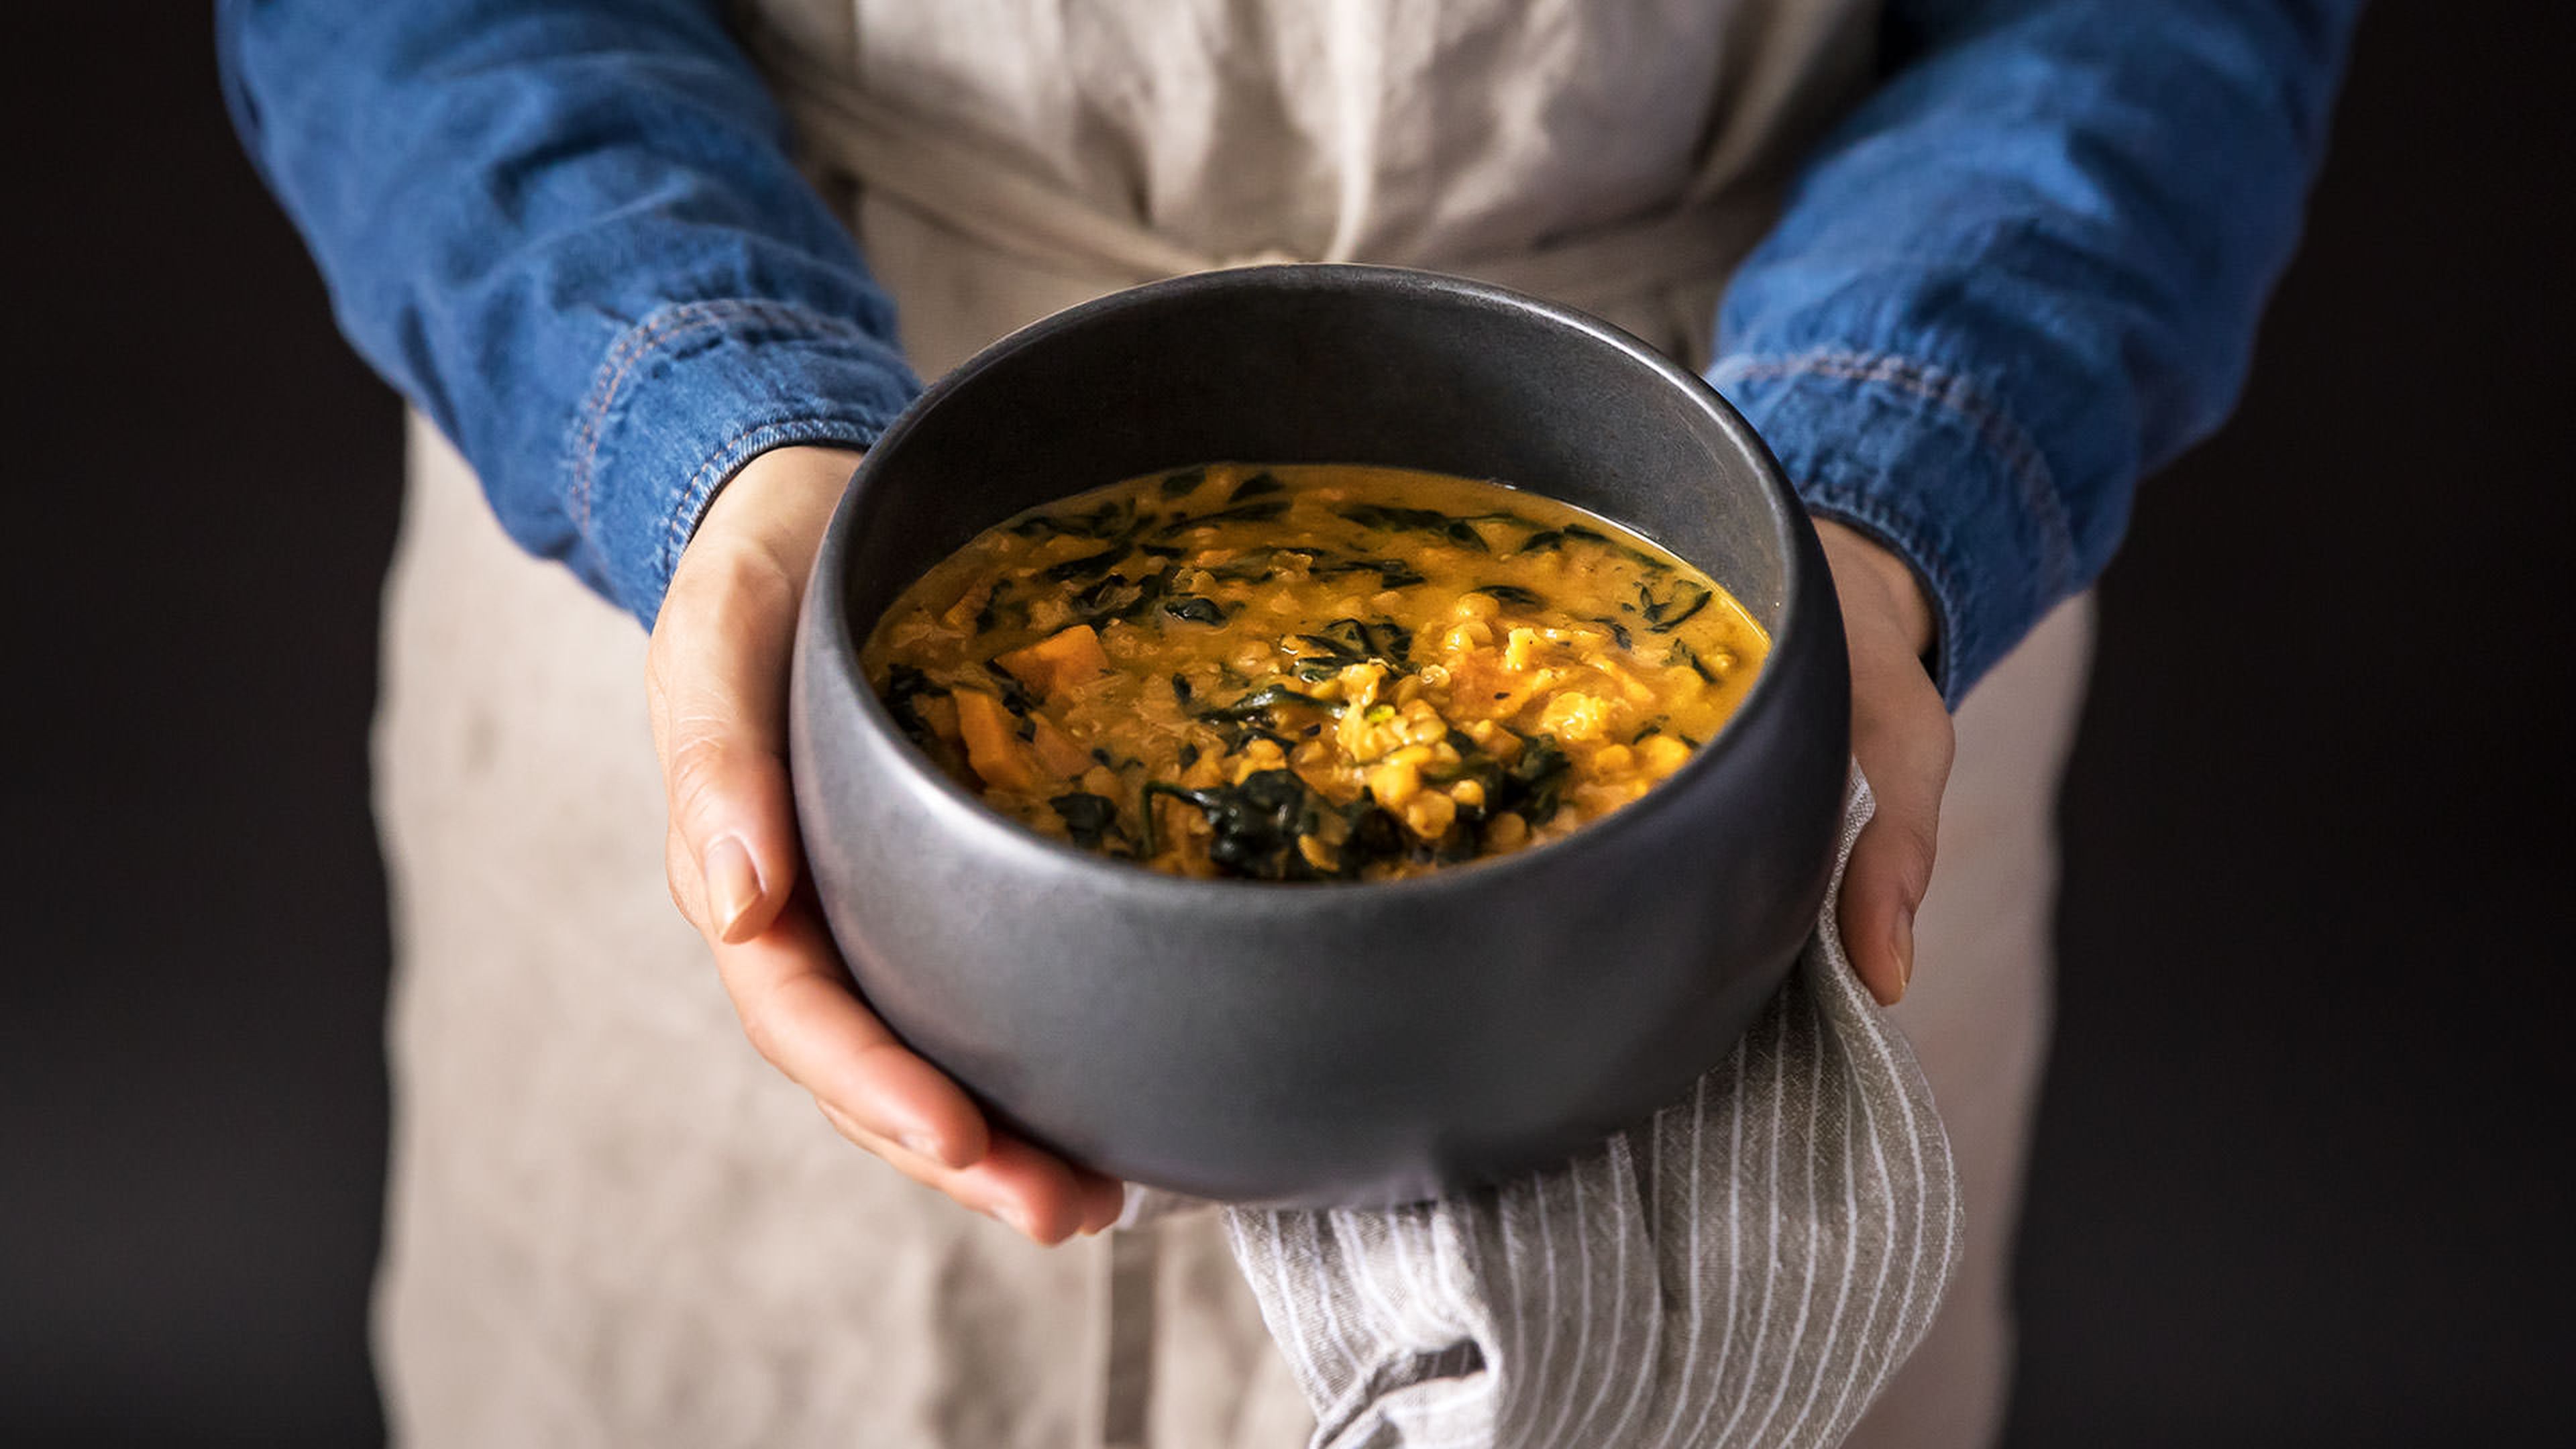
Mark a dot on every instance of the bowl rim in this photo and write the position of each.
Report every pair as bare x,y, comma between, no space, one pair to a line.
997,831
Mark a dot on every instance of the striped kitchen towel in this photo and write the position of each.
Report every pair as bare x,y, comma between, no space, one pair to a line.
1747,1269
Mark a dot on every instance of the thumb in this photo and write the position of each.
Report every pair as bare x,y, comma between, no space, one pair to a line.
1902,739
717,682
1891,863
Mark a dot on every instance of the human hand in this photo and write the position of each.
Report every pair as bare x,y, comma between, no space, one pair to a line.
1901,736
716,683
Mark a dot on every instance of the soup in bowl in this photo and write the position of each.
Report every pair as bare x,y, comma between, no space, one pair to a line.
1116,760
1303,672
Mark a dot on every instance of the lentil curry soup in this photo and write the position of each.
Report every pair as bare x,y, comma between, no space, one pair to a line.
1317,672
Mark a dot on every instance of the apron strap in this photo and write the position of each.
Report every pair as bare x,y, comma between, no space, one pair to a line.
1127,1386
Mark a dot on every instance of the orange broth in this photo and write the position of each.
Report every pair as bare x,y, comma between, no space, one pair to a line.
1311,672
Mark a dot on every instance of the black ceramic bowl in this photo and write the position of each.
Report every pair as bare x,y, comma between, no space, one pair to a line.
1355,1043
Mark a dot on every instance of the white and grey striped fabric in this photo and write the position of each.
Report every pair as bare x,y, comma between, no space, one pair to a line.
1747,1269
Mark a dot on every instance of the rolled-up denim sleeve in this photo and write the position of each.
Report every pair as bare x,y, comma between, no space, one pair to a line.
573,235
2025,272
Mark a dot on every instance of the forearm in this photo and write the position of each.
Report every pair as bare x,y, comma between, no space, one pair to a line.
570,232
2023,274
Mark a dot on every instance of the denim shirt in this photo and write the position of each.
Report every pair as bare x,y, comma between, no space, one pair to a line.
2025,271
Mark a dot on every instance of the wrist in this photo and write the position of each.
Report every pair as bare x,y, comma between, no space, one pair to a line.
767,520
1894,581
789,479
697,390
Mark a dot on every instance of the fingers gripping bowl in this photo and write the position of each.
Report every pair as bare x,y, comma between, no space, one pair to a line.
1362,1042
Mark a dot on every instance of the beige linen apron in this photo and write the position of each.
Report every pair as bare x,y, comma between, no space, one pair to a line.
611,1224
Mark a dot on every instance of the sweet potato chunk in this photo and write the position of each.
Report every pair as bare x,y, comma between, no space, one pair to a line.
1066,657
993,744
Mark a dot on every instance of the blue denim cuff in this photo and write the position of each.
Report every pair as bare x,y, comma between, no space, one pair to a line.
1928,463
688,395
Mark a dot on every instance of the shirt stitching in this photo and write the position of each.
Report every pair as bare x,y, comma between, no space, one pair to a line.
673,541
629,350
640,342
2021,456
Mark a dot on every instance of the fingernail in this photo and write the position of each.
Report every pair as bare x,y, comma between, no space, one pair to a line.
922,1144
1904,950
733,887
1013,1218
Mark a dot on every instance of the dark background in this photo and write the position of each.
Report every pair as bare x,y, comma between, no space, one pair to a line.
2297,1174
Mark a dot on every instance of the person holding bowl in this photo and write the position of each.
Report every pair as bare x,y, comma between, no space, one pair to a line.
1971,267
